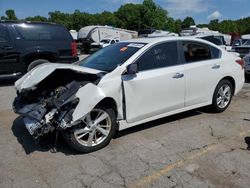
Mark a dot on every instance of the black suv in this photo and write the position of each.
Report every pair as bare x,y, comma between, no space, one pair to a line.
24,45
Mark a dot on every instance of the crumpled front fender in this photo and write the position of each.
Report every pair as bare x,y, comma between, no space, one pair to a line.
89,96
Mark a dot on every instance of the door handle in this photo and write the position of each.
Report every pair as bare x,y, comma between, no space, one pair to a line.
178,75
216,66
7,47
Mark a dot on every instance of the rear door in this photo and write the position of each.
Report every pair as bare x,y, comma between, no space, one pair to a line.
202,68
8,55
158,87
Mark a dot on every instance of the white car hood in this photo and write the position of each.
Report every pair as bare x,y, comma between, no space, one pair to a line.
37,74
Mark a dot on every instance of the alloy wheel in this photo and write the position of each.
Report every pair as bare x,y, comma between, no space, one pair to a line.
224,96
95,128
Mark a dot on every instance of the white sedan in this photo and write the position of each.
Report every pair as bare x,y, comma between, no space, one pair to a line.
126,84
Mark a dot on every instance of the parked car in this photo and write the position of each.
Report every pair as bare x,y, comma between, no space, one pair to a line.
247,64
241,46
95,33
155,33
23,43
95,46
126,84
217,39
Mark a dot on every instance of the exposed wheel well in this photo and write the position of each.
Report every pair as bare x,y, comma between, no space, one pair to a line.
108,102
30,58
231,80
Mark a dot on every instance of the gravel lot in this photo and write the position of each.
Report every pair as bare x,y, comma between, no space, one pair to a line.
192,149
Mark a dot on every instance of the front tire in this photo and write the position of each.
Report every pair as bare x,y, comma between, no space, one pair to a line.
94,132
222,96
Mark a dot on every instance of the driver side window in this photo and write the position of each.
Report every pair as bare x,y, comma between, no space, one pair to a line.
159,56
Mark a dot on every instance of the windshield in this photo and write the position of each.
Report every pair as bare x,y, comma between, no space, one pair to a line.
247,42
107,59
218,40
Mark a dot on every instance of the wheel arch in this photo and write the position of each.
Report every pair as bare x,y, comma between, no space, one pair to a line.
109,102
231,80
41,55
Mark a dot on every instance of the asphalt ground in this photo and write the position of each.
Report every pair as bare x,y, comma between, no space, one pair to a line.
191,149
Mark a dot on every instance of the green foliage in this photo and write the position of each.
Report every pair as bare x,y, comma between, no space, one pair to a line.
241,26
135,17
153,16
10,15
37,19
187,22
129,16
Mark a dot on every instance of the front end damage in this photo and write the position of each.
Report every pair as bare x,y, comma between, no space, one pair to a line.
50,104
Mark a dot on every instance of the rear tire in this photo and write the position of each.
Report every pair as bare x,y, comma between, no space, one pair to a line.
93,133
222,96
35,63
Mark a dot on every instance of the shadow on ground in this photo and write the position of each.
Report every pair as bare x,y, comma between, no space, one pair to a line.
247,79
247,141
48,143
158,122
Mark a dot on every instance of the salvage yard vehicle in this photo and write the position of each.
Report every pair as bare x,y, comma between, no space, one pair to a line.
95,46
247,64
25,44
243,49
126,84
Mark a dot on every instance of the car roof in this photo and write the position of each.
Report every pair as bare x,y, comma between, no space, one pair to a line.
163,39
26,22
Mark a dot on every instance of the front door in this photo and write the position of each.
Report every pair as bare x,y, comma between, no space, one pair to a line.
158,87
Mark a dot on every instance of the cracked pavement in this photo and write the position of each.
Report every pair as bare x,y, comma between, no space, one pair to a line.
191,149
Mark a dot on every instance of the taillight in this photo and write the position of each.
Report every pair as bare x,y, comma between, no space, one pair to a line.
73,49
241,62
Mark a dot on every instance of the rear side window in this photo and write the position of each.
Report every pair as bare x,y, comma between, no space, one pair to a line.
194,51
4,35
216,53
161,55
42,32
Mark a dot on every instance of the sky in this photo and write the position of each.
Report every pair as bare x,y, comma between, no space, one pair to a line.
201,10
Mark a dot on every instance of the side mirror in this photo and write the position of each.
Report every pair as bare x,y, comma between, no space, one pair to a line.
132,68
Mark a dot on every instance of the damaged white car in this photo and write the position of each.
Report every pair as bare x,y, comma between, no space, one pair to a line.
124,85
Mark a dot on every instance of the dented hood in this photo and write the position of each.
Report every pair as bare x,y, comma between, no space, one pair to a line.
37,74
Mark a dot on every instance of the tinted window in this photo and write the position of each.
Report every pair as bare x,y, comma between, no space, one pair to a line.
194,51
108,58
43,32
105,41
4,36
161,55
247,42
216,53
237,42
218,40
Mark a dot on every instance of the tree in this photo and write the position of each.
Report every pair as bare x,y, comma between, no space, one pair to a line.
187,22
129,16
214,25
108,18
37,19
10,15
153,16
178,26
228,26
170,23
